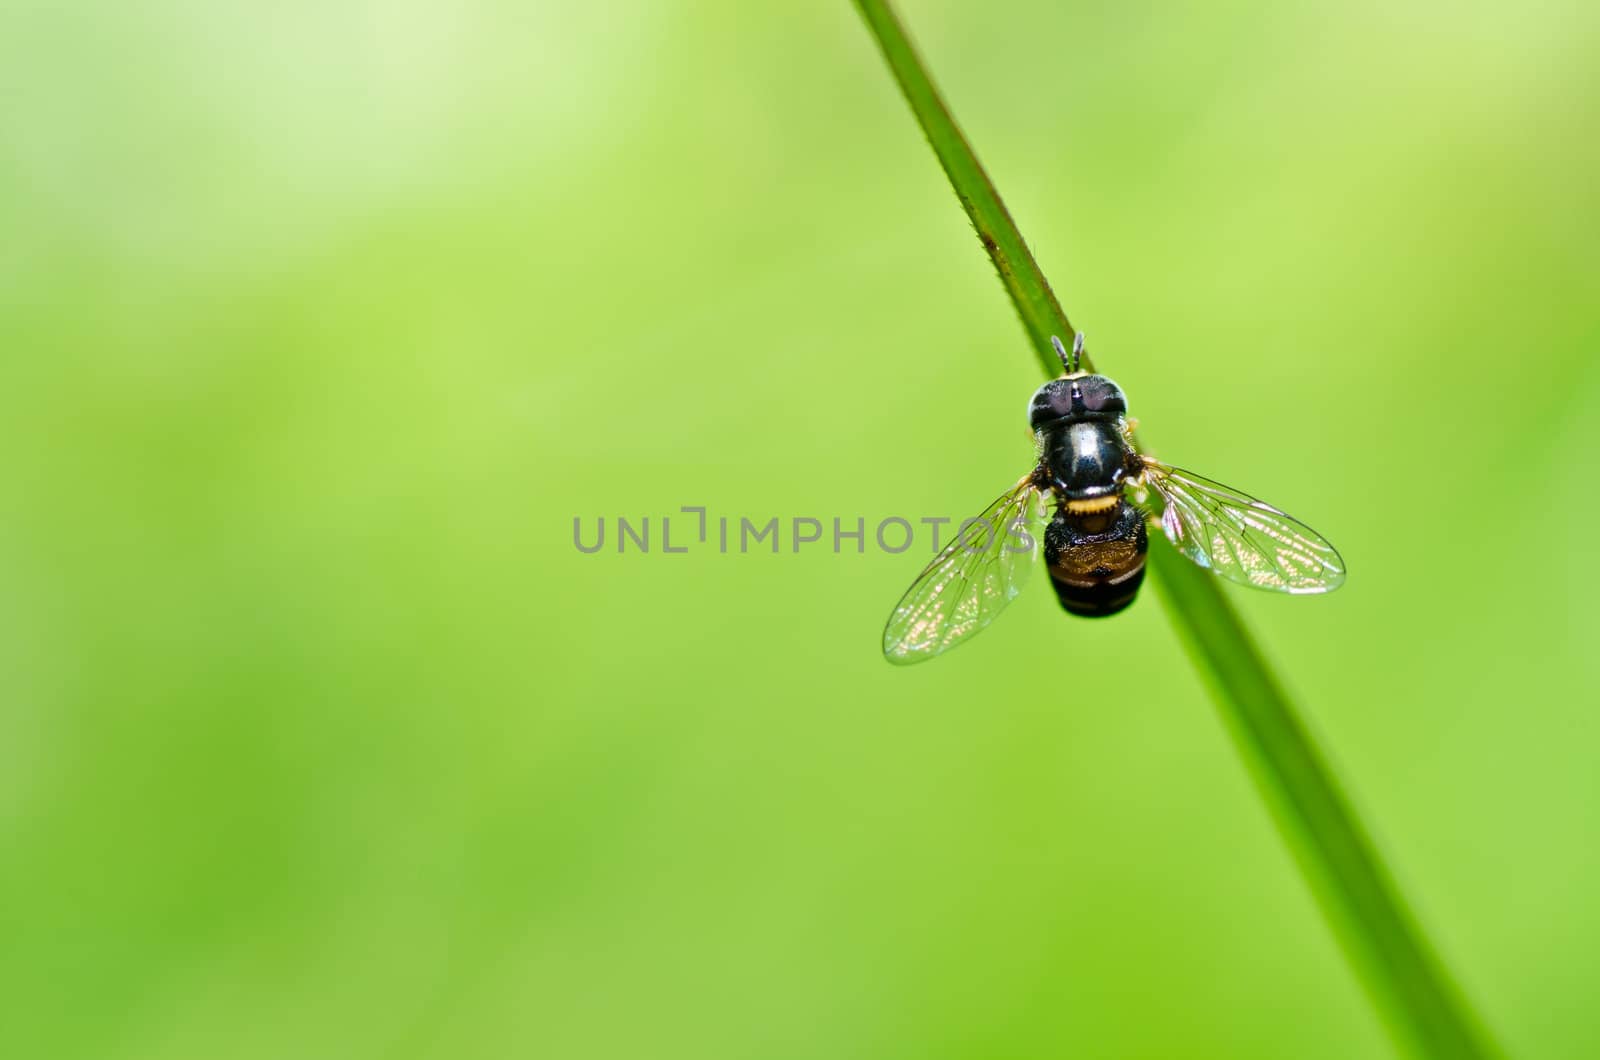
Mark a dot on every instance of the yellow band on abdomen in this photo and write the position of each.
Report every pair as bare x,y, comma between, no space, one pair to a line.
1094,504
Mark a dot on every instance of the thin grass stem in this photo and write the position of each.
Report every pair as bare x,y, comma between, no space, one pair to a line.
1424,1009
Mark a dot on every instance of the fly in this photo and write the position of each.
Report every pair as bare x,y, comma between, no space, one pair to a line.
1091,483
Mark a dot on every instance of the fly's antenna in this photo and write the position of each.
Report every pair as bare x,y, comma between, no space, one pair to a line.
1061,352
1069,361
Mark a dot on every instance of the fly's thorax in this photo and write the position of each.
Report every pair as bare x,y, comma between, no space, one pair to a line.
1086,459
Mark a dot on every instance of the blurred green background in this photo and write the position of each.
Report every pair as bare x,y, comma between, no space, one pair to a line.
319,323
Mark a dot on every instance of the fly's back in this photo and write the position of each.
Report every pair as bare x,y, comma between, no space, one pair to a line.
1095,544
1096,539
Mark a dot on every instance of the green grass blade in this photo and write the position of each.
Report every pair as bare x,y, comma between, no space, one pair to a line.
1036,304
1402,973
1422,1006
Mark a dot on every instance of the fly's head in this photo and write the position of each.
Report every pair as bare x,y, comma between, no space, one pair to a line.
1084,398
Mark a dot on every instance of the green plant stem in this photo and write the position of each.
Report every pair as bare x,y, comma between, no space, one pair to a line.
1402,973
1426,1012
1036,304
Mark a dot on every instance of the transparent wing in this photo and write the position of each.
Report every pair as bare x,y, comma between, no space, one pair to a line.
971,581
1242,539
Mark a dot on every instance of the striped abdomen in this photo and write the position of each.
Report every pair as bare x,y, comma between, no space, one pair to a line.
1096,559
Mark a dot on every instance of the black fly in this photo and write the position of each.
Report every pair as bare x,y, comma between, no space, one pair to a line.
1095,538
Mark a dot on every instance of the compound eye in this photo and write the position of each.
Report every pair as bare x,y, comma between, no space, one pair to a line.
1103,396
1051,402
